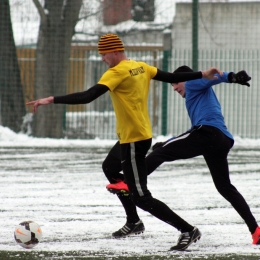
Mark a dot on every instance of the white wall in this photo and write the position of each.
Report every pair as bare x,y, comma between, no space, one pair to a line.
221,25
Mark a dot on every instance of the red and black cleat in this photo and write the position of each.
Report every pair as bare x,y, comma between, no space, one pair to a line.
256,237
119,187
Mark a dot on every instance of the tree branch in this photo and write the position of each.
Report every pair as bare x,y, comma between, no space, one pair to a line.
40,11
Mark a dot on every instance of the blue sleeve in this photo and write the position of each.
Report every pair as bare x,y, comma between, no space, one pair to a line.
205,83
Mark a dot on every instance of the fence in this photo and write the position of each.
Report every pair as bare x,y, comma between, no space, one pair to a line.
97,118
240,104
228,37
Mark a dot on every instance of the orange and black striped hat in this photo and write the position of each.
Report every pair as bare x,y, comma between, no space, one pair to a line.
110,43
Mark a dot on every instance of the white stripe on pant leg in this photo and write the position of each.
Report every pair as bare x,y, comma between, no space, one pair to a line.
176,139
135,171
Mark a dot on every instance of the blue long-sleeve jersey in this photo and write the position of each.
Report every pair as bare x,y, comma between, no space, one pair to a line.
202,104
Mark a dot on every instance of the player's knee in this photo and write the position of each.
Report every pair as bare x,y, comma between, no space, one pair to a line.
106,171
112,175
226,191
104,167
142,202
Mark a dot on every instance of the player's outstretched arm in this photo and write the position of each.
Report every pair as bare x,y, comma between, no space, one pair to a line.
210,73
77,98
40,102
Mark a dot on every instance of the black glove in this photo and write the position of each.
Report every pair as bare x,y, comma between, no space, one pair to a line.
241,78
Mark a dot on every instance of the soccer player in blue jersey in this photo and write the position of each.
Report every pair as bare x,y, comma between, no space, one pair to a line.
209,137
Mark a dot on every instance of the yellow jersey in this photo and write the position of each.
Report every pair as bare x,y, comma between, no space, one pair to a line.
129,84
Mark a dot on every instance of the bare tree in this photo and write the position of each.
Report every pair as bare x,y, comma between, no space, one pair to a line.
12,107
57,21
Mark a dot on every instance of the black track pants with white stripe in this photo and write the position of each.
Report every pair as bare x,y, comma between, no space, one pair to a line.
214,146
135,173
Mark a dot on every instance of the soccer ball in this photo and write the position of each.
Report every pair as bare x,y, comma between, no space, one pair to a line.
28,234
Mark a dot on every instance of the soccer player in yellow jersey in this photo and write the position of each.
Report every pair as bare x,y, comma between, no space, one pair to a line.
127,82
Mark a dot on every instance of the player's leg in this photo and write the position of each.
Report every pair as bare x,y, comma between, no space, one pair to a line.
112,165
112,169
216,159
134,168
184,146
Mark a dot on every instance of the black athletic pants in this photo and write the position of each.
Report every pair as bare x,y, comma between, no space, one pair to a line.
207,141
214,146
132,156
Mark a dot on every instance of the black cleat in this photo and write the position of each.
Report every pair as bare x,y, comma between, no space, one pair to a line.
186,239
129,229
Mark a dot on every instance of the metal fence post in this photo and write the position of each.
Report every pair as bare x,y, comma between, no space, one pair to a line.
195,35
167,45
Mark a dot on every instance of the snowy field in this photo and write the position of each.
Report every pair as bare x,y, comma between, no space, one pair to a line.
60,185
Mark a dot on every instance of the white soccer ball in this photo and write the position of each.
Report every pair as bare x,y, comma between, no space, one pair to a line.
28,234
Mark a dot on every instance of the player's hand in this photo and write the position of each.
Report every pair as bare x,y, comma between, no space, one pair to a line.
211,73
40,102
241,78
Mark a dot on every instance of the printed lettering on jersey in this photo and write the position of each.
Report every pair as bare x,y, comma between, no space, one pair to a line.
136,71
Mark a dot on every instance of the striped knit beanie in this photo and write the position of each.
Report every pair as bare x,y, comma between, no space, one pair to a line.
110,43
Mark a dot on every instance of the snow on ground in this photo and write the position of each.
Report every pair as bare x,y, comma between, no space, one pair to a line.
60,185
8,138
